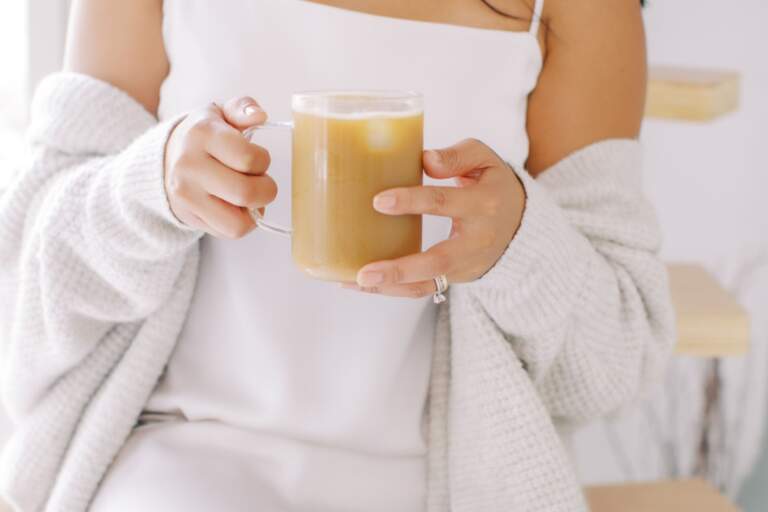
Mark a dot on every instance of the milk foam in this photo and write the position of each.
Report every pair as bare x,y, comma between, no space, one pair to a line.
321,112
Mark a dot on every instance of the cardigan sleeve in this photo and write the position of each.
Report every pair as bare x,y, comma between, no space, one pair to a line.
580,293
87,239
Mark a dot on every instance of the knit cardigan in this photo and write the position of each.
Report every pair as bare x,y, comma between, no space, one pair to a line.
96,276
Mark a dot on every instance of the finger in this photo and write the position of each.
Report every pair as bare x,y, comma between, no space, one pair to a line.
236,188
439,259
465,157
445,201
189,219
228,220
195,222
232,149
243,112
412,290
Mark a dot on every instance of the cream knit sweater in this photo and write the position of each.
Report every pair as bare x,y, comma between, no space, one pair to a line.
96,276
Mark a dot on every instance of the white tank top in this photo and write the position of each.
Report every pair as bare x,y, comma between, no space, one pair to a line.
295,394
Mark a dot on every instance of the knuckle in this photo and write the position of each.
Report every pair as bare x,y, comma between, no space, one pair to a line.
189,167
239,103
397,274
269,189
403,197
241,195
244,101
201,128
438,198
416,291
229,232
239,228
257,160
473,142
185,162
231,104
407,199
247,160
179,187
441,262
450,157
250,194
266,159
258,192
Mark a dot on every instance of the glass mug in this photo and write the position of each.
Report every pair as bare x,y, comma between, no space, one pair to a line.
347,147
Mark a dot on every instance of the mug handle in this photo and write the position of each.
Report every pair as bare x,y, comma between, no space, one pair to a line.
256,215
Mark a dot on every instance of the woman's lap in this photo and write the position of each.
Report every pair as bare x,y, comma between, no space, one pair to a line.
203,466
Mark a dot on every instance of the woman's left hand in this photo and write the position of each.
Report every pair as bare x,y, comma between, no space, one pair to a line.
486,208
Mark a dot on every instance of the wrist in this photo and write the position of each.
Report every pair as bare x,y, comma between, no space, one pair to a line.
170,155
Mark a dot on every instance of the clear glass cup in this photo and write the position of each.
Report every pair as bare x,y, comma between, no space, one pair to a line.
347,147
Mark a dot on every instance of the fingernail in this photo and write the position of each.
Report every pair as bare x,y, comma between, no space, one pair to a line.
370,278
250,110
435,156
384,202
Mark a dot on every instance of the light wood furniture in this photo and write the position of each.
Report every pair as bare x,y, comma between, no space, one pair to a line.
710,322
691,94
668,496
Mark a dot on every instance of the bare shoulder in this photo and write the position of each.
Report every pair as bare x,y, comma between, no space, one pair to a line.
593,83
121,43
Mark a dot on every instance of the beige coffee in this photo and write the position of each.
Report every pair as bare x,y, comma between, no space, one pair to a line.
340,162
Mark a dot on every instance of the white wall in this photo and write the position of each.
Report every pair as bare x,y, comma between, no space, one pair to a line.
709,180
46,22
12,84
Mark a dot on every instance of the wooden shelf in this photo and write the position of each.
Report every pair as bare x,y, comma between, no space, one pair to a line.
710,322
668,496
691,94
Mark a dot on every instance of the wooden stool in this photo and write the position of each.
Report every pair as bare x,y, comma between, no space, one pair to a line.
710,322
666,496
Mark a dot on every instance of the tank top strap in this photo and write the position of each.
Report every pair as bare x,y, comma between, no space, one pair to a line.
538,9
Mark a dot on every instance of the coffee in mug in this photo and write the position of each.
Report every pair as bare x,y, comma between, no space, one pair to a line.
348,147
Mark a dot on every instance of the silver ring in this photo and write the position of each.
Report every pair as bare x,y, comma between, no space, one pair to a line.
441,286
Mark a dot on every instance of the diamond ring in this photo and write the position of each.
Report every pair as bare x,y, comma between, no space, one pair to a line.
441,285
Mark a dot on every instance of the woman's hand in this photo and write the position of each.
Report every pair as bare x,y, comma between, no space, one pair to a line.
213,175
486,208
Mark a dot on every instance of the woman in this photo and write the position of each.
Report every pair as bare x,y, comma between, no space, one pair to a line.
148,369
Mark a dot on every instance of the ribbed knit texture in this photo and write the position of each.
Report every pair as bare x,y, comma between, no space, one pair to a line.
569,324
100,274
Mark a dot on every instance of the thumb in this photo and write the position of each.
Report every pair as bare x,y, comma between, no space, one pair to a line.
467,157
243,112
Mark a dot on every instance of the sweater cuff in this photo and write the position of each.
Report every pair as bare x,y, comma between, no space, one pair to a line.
141,180
544,263
82,116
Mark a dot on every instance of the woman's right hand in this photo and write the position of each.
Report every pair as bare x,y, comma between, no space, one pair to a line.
213,175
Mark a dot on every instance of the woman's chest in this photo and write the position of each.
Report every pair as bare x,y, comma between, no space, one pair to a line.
475,82
509,15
